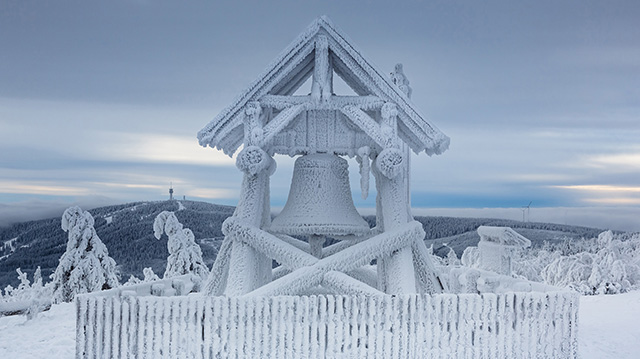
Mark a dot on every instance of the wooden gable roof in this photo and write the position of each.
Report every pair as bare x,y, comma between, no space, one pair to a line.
295,65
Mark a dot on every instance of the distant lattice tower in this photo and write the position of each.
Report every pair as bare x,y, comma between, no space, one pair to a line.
170,191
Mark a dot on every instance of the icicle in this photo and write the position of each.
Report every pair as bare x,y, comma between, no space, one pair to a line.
365,168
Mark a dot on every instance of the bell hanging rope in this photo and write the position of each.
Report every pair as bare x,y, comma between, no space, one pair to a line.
320,200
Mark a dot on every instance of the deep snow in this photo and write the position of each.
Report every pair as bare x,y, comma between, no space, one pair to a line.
608,329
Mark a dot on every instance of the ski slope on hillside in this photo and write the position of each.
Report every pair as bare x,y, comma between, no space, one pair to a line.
608,329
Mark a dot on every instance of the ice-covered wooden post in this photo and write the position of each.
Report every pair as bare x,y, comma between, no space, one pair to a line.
395,271
248,268
378,126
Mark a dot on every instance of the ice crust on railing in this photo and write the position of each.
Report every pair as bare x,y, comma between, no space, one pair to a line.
174,286
475,280
508,325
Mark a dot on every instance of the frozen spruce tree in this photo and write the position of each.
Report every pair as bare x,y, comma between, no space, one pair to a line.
185,255
86,266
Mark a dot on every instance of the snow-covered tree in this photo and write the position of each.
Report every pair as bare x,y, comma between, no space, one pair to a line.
607,265
149,275
85,266
132,281
34,297
185,255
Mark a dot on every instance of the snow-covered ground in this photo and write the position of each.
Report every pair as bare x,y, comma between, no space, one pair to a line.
609,328
51,335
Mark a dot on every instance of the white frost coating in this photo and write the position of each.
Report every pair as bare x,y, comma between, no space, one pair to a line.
321,87
503,235
279,122
400,80
365,169
498,247
85,266
379,123
353,257
318,49
253,160
320,200
475,280
343,283
365,123
419,326
390,162
185,255
174,286
608,264
283,252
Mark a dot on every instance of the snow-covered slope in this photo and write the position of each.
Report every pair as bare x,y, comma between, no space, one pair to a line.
126,230
608,329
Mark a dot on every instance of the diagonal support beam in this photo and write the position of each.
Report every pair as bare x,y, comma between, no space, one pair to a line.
366,123
268,244
425,271
281,121
349,259
216,283
342,283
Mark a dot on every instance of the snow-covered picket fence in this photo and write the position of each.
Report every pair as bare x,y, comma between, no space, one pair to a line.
506,325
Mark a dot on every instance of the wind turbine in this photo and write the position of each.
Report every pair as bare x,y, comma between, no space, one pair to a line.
527,208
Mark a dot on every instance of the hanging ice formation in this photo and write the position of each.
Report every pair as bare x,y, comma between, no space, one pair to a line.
377,126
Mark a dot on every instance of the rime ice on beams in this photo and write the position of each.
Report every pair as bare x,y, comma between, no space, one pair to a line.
379,126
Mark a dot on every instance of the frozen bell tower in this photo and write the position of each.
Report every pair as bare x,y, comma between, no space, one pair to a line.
379,126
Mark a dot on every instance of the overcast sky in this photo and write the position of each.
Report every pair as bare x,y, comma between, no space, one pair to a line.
100,102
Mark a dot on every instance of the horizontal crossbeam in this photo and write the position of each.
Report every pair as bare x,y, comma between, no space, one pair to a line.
279,102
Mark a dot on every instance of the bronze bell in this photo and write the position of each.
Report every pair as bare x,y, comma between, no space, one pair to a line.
319,201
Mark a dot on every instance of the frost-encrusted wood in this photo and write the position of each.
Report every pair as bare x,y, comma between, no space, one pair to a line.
281,121
337,102
309,271
322,83
378,125
366,123
510,325
316,52
247,268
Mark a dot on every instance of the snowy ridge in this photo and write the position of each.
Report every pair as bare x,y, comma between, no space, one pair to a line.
490,325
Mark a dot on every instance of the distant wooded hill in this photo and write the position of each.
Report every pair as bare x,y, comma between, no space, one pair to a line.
127,231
